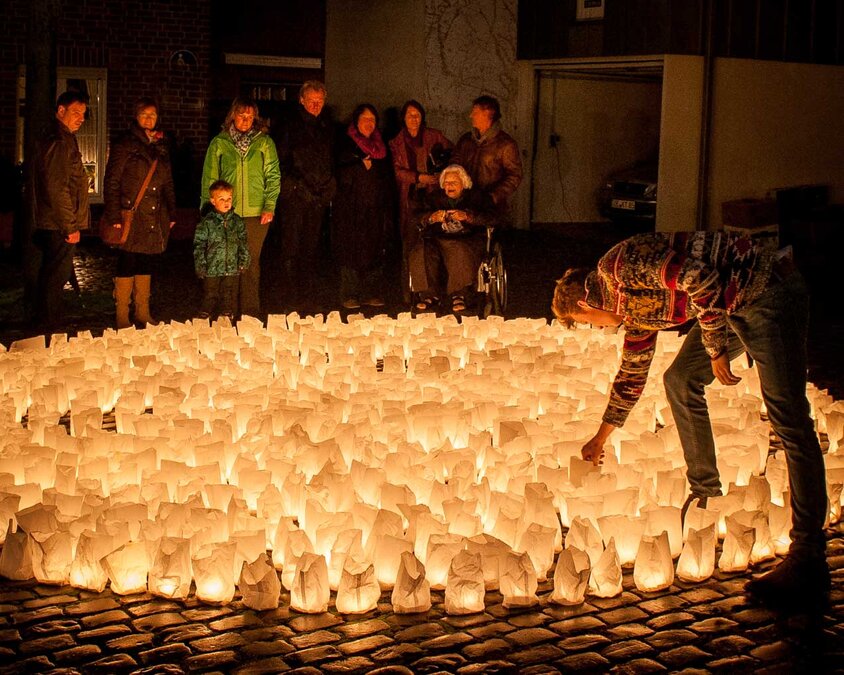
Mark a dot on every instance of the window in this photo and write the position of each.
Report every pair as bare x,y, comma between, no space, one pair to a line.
93,135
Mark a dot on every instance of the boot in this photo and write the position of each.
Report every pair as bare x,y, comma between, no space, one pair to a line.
796,584
142,291
122,295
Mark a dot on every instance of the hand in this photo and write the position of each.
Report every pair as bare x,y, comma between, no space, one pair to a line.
266,218
172,224
462,216
721,370
73,237
426,179
437,217
367,163
593,450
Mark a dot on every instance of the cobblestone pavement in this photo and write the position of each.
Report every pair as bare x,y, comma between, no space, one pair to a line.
692,628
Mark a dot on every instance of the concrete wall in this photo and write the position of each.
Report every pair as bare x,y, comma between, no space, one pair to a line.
603,125
442,52
774,125
679,155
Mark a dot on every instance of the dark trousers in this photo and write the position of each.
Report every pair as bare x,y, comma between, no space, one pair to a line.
219,294
130,264
250,278
301,227
54,270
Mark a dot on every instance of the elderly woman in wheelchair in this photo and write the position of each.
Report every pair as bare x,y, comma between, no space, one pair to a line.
453,221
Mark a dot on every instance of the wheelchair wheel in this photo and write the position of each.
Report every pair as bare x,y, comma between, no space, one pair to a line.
496,299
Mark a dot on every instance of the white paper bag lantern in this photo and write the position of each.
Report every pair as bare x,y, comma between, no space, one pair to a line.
738,544
347,544
127,569
309,592
654,567
779,521
518,582
358,591
296,546
52,555
171,572
584,536
464,590
697,561
387,557
16,556
571,576
626,532
763,545
213,574
259,584
86,570
441,549
606,578
538,541
412,592
660,519
9,505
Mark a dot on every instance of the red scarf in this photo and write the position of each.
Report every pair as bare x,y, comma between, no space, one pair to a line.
372,146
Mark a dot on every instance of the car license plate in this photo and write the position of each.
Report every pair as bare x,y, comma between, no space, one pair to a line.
626,204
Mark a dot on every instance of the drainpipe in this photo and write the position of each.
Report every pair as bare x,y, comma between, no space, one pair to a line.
706,119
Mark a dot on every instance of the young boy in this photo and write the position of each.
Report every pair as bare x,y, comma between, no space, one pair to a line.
220,253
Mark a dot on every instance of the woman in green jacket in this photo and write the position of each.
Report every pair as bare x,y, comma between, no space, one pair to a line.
244,155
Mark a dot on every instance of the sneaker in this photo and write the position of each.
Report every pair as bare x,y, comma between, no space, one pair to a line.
351,303
797,583
374,302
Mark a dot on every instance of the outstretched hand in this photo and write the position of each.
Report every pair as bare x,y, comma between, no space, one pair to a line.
721,370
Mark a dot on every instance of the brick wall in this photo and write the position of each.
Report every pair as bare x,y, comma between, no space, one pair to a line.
134,40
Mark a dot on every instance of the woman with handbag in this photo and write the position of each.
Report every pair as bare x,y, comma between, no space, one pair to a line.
139,197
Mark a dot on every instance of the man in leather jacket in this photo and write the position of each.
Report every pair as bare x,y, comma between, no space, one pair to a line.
59,202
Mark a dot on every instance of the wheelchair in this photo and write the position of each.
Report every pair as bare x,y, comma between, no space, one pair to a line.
492,279
490,287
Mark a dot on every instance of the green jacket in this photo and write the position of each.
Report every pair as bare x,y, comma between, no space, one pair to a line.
255,178
219,245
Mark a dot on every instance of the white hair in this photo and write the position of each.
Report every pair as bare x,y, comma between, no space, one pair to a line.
460,171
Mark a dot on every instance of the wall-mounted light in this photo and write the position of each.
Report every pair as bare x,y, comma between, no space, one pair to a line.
183,59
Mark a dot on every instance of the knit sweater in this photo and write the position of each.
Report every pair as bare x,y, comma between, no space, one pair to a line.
660,280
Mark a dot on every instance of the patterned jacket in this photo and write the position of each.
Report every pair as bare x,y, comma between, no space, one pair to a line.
219,245
660,280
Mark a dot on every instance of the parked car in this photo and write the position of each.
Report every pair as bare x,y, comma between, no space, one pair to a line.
630,193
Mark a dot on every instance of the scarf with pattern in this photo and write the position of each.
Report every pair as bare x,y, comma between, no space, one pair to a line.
242,139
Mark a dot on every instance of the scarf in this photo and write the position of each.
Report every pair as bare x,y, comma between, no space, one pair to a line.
372,146
242,139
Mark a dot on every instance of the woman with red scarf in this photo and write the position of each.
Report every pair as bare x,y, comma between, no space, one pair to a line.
419,154
363,209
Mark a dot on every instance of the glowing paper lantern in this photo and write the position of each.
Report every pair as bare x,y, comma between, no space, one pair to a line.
698,518
412,592
348,543
86,570
464,590
213,573
9,504
666,519
584,536
441,549
606,578
518,581
358,591
571,576
654,567
296,546
697,561
127,569
738,544
309,592
171,573
779,522
16,556
538,541
763,545
387,556
259,584
626,532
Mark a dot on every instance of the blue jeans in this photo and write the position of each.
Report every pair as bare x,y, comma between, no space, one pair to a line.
773,331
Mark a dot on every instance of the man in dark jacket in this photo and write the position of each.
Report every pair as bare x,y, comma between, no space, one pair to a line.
307,187
490,155
59,193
